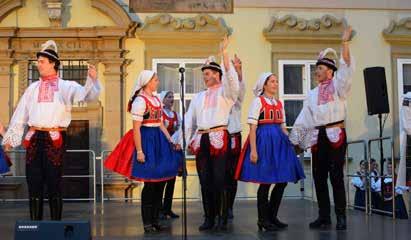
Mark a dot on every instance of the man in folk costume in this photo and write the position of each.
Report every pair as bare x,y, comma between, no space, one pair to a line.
234,128
45,108
320,125
403,183
207,118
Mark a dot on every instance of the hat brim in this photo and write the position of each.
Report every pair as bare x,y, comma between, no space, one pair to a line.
211,67
333,67
47,55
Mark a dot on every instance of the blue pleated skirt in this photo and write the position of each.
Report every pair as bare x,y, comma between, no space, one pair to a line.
161,160
4,165
277,161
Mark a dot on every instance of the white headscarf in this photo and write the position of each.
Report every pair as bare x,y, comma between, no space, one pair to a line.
259,85
163,95
143,78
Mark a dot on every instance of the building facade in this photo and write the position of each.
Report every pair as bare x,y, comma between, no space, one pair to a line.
282,37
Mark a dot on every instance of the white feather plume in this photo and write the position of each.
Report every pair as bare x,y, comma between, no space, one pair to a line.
48,44
210,59
324,53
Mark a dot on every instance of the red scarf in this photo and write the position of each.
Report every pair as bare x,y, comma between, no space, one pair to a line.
326,92
48,85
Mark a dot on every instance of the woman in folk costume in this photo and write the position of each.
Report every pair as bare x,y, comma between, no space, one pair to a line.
5,162
360,182
268,156
45,108
390,192
172,123
322,117
146,153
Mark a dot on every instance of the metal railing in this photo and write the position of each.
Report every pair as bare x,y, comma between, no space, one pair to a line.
92,176
371,209
348,175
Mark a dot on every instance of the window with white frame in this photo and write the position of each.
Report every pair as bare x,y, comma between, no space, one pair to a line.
404,79
169,75
168,72
296,78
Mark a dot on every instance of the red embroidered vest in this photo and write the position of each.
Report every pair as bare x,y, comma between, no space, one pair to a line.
153,113
270,114
388,190
170,122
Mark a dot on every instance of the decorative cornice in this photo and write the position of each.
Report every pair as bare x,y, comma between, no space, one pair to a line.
7,6
202,24
290,27
398,32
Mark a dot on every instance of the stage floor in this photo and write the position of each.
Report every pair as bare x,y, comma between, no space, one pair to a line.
123,221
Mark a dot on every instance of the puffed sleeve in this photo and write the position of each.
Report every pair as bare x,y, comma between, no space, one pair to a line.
138,109
254,111
343,77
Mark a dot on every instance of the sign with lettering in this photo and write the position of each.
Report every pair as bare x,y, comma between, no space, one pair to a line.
182,6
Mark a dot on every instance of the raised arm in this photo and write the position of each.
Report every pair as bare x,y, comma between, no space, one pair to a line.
88,92
343,77
229,79
238,66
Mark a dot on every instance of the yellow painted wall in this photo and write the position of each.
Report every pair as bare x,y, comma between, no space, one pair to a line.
33,14
368,47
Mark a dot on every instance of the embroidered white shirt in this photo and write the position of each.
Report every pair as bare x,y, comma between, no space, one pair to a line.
208,113
313,114
56,113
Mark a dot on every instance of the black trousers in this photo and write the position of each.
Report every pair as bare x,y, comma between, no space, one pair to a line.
44,166
329,160
151,197
232,162
212,172
168,195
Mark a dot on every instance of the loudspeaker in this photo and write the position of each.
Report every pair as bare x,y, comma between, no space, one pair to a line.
52,230
376,90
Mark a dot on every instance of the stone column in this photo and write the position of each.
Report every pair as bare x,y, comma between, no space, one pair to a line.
6,103
112,108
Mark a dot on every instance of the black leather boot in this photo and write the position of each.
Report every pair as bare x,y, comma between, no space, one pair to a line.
341,222
36,208
223,212
209,215
321,223
56,208
147,215
275,201
264,222
155,218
